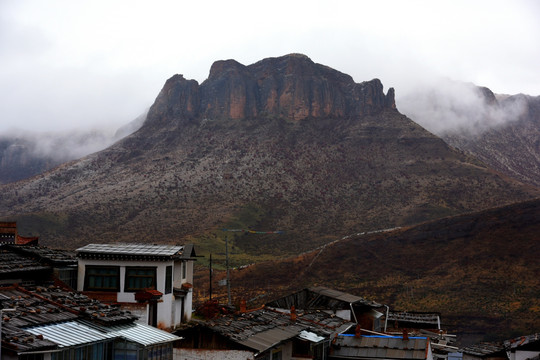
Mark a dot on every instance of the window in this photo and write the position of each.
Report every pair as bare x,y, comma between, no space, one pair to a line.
68,275
301,348
184,269
168,280
140,278
102,278
276,354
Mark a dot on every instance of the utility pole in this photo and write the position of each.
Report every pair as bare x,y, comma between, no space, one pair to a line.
228,274
229,302
210,266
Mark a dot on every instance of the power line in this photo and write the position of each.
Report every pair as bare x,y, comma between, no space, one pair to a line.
227,253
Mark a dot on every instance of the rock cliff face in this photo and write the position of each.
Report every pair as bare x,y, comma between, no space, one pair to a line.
283,144
291,87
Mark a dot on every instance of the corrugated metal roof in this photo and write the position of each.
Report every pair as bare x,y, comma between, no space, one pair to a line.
269,338
381,347
342,296
70,333
335,294
76,333
132,249
143,334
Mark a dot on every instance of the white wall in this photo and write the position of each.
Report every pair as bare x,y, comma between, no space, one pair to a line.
122,296
165,315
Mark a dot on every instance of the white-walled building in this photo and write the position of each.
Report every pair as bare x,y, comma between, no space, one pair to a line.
158,278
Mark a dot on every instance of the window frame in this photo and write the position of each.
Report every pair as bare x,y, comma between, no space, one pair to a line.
114,274
168,279
128,276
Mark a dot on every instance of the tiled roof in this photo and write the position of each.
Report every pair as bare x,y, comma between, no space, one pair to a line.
522,340
321,297
261,329
43,254
44,305
40,306
415,317
483,349
13,263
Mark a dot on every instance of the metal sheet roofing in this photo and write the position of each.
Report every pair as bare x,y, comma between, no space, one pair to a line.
321,297
269,338
70,333
132,249
76,333
381,347
342,296
142,334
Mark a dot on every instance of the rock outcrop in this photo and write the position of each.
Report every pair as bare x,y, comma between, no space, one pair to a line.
291,87
280,144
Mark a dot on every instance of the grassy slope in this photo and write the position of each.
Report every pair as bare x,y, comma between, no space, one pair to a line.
479,270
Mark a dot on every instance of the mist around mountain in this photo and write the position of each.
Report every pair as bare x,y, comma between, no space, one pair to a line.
287,144
503,131
500,130
280,144
25,154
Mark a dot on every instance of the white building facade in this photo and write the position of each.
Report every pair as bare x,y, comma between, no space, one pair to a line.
156,279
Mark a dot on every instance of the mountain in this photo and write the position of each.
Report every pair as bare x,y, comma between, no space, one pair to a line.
503,131
512,147
284,143
479,270
23,155
18,160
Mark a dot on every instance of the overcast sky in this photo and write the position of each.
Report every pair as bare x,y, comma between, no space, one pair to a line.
68,65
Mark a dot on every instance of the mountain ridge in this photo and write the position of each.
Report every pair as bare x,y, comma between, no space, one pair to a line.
322,157
463,266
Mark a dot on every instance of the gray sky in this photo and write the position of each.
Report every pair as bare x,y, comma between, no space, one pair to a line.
68,64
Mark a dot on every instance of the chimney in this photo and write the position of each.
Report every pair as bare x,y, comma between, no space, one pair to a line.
243,305
405,335
357,331
293,313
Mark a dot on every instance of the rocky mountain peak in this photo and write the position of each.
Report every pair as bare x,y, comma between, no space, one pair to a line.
292,87
314,153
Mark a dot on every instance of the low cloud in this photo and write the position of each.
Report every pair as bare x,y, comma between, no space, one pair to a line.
61,146
445,106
